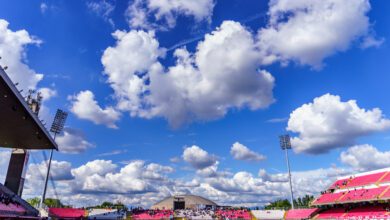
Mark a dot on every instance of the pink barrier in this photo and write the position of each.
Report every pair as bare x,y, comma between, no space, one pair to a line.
66,213
300,213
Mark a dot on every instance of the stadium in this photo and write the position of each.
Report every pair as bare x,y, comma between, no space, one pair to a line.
194,110
358,196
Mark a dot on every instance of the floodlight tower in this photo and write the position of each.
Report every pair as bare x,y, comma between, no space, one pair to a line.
56,128
285,144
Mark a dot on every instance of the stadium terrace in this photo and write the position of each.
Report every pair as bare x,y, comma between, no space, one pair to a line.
194,110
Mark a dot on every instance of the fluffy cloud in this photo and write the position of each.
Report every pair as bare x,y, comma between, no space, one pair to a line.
125,64
164,12
242,152
198,158
195,88
59,170
365,157
135,177
86,107
308,31
328,123
141,183
98,167
72,141
13,54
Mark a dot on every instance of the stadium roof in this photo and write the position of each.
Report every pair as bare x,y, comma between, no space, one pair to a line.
191,201
20,127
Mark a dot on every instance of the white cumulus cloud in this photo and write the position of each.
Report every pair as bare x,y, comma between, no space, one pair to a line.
308,31
72,141
194,89
135,177
125,64
59,170
153,14
242,152
85,106
328,123
365,157
13,54
198,158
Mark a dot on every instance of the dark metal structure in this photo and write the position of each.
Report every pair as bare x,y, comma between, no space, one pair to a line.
21,130
20,127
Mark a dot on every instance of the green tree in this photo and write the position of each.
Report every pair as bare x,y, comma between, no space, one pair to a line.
301,202
279,204
49,202
110,205
34,201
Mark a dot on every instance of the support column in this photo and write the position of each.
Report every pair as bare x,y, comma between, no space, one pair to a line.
17,171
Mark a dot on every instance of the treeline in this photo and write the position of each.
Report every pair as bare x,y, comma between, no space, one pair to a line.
301,202
56,203
49,202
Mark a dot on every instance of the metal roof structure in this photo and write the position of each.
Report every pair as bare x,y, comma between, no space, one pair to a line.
19,126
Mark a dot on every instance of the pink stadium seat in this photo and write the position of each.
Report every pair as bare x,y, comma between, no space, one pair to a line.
234,214
153,214
370,212
300,213
386,178
362,194
386,194
327,198
365,180
339,183
12,208
336,213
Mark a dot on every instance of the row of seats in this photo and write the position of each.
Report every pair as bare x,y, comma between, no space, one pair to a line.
380,177
354,195
152,214
366,212
192,214
233,214
8,205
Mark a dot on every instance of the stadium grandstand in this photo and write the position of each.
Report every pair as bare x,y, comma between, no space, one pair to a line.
184,202
361,196
21,130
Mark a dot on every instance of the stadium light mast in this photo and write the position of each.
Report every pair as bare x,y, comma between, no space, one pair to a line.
285,144
56,128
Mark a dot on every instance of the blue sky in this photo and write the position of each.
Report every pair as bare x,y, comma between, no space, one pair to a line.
250,69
